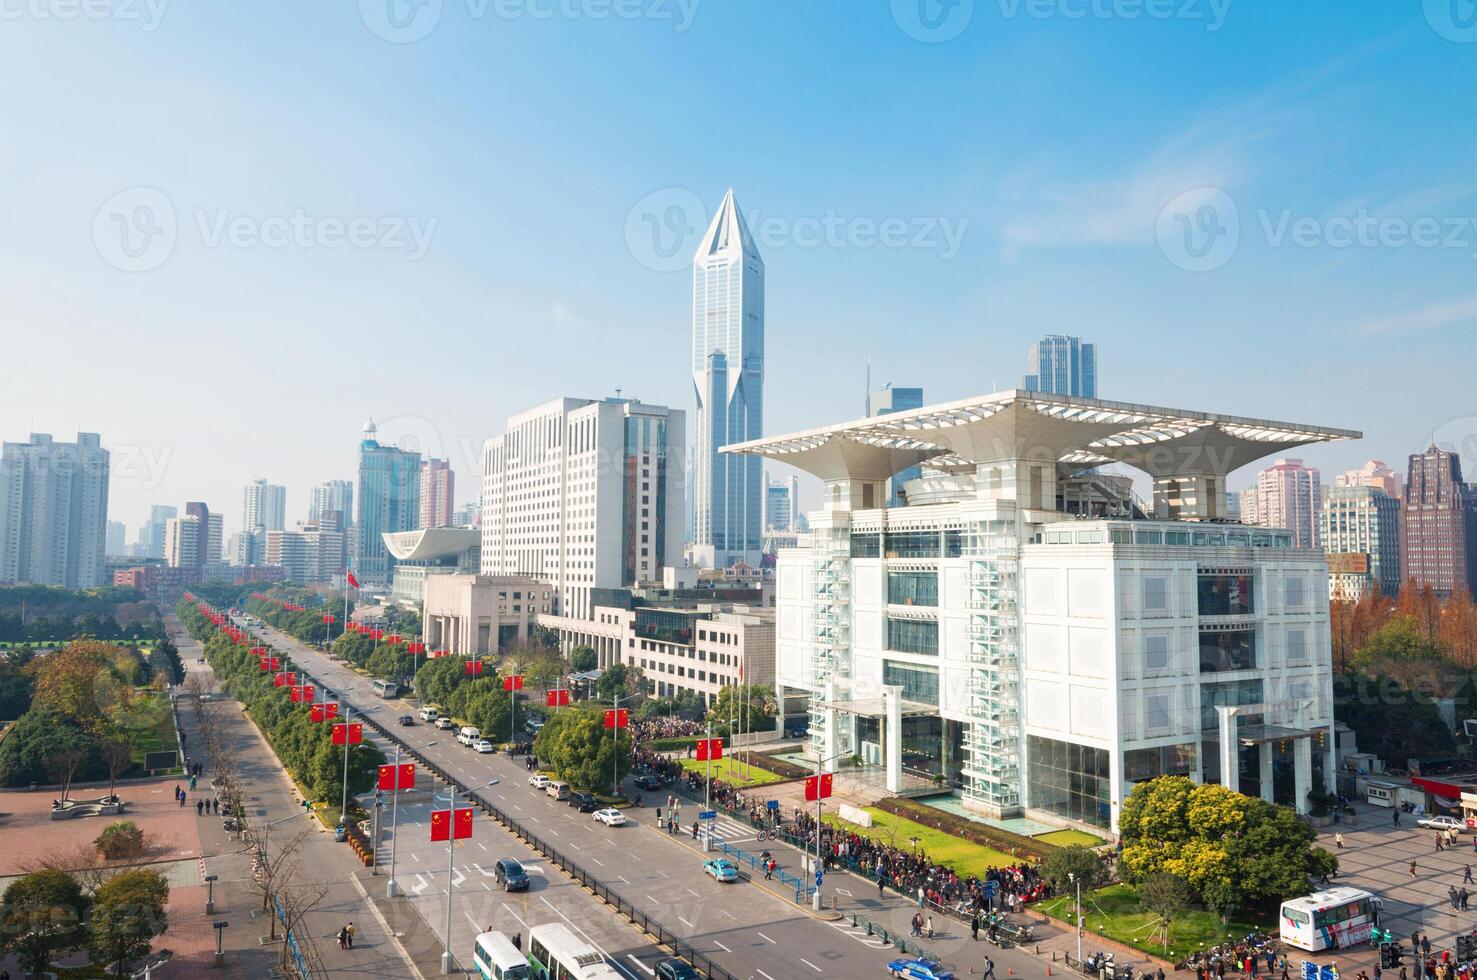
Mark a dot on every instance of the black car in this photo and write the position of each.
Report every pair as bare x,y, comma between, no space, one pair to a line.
405,720
648,783
675,970
585,802
510,875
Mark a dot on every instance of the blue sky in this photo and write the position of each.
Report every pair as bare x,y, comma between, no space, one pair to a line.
1037,171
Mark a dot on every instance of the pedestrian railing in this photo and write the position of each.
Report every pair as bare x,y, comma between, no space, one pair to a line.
904,945
803,888
297,953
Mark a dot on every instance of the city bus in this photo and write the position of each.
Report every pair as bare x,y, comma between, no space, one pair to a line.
1334,918
498,959
385,689
558,954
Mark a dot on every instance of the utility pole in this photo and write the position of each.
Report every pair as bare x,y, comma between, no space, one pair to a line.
392,889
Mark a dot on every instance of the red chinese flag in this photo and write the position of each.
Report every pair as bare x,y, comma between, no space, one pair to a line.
394,638
309,692
377,635
353,582
709,749
348,734
474,668
414,648
387,777
330,709
440,825
439,653
276,662
818,789
407,776
557,698
619,718
258,651
463,828
295,693
513,683
265,663
329,618
315,713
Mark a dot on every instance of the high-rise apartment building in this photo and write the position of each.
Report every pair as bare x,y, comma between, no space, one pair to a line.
200,548
182,542
215,539
264,506
1362,520
389,500
151,535
1061,365
889,400
1287,495
1439,524
438,486
1375,473
309,555
468,514
584,495
332,495
728,379
117,539
54,511
1043,661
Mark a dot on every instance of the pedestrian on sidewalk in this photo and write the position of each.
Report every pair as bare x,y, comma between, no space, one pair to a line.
930,927
349,931
974,926
343,938
518,941
182,799
1338,841
1467,875
1397,816
989,969
1412,869
199,808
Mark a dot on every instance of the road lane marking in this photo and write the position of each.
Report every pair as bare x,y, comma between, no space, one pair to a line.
764,937
515,915
586,936
686,923
622,878
810,964
728,913
632,958
763,974
721,946
598,861
693,893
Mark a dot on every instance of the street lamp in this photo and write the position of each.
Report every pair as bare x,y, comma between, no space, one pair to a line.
914,842
1072,877
451,862
210,881
220,949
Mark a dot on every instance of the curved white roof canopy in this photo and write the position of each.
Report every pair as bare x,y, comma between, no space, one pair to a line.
1029,425
431,543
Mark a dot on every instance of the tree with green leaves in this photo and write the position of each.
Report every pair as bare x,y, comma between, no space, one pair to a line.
1059,867
733,699
42,916
1166,895
576,744
127,913
583,658
625,681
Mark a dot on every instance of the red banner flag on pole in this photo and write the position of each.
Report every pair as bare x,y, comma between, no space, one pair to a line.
397,777
709,749
619,718
407,776
353,582
309,692
387,777
315,713
513,683
462,825
474,668
295,693
440,825
557,698
818,789
351,734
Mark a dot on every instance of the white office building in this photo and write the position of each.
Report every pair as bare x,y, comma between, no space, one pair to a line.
728,380
182,541
1043,662
309,555
54,511
1360,529
332,497
584,494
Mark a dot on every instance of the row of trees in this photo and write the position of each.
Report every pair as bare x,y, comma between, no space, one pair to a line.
87,704
51,912
49,614
303,747
1416,625
575,743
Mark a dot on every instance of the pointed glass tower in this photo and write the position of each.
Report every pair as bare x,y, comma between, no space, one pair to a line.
728,378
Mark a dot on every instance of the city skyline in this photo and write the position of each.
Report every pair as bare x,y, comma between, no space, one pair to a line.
1059,215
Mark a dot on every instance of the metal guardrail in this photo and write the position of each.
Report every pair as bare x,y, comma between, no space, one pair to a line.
291,940
803,889
887,936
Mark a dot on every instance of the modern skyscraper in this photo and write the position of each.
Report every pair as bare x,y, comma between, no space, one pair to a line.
584,495
1365,520
331,495
389,500
200,550
117,541
182,542
215,540
151,535
728,380
886,401
54,511
1062,365
438,486
1287,495
779,504
1439,532
265,506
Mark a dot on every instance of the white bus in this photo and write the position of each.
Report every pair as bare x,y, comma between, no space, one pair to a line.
385,689
558,954
1334,918
498,959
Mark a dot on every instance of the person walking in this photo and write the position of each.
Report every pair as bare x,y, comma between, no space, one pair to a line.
1397,816
518,941
199,808
349,932
1451,895
343,938
1412,869
989,969
1438,841
182,799
1338,841
930,927
974,926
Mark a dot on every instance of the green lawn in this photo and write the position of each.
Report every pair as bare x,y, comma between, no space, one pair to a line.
733,772
1066,838
159,735
1115,912
961,855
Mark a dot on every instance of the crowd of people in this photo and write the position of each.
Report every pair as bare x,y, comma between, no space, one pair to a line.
648,729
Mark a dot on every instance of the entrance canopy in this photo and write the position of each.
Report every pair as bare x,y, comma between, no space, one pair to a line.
877,708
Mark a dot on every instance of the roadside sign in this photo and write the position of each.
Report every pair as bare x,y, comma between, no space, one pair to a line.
708,815
991,887
818,877
772,805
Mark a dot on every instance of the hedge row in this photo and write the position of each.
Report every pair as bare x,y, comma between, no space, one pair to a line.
1017,845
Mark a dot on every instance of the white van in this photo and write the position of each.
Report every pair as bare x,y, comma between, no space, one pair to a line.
558,789
429,714
468,735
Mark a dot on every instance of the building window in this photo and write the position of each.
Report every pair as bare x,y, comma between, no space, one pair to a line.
1156,594
918,683
1297,647
912,544
865,546
1293,592
912,636
1156,714
1167,760
1068,779
913,588
1224,595
1156,653
1227,650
